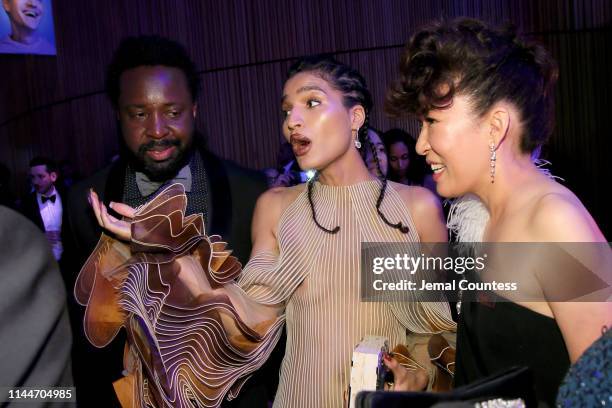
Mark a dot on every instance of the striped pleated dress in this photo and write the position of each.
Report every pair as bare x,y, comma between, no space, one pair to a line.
316,277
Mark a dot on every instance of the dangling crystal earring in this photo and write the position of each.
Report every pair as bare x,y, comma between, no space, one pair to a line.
492,160
357,142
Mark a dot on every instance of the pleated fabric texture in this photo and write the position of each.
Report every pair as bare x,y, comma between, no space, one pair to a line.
193,335
317,277
197,327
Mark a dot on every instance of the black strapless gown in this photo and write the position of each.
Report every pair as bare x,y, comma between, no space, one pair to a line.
492,337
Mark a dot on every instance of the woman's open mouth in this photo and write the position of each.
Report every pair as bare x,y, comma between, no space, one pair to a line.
300,144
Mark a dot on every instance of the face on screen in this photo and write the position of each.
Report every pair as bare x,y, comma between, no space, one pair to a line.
24,14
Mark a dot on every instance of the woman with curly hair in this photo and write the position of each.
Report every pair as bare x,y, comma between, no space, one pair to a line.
485,99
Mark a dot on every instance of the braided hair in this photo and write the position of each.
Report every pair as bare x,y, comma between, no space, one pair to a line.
355,92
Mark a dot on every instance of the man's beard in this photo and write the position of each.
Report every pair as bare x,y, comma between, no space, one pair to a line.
161,170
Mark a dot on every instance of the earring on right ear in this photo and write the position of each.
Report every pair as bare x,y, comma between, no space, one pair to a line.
492,160
357,142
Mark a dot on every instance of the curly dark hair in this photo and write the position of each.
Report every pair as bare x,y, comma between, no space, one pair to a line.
487,64
353,87
149,50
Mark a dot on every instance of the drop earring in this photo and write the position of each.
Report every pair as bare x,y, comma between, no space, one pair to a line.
492,160
357,142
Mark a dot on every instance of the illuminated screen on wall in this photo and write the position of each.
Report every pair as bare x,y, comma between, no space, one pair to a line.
26,27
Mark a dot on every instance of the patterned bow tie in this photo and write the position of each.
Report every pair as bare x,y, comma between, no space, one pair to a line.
148,187
45,199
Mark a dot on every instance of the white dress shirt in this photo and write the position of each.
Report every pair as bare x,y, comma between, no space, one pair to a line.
51,214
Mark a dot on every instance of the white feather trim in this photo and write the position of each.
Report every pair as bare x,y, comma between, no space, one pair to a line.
468,216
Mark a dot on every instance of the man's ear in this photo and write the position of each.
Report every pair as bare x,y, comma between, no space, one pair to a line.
53,176
358,115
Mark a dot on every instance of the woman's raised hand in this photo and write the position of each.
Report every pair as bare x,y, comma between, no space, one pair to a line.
121,228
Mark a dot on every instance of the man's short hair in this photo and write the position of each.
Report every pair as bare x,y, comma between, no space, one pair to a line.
44,161
149,50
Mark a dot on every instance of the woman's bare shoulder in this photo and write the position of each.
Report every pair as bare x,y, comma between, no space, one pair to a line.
419,200
277,199
425,210
268,211
555,214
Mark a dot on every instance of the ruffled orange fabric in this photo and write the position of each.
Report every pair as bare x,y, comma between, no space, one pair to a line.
193,337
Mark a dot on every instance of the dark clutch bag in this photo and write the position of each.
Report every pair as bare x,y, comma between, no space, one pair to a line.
514,383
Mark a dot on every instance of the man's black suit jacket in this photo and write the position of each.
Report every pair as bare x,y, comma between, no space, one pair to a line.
234,191
29,208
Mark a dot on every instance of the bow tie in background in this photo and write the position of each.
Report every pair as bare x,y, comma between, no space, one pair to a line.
50,198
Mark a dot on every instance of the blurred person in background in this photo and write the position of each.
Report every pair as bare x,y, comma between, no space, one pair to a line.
34,326
44,206
405,165
376,152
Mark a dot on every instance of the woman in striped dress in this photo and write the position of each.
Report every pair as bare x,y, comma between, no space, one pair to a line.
305,262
